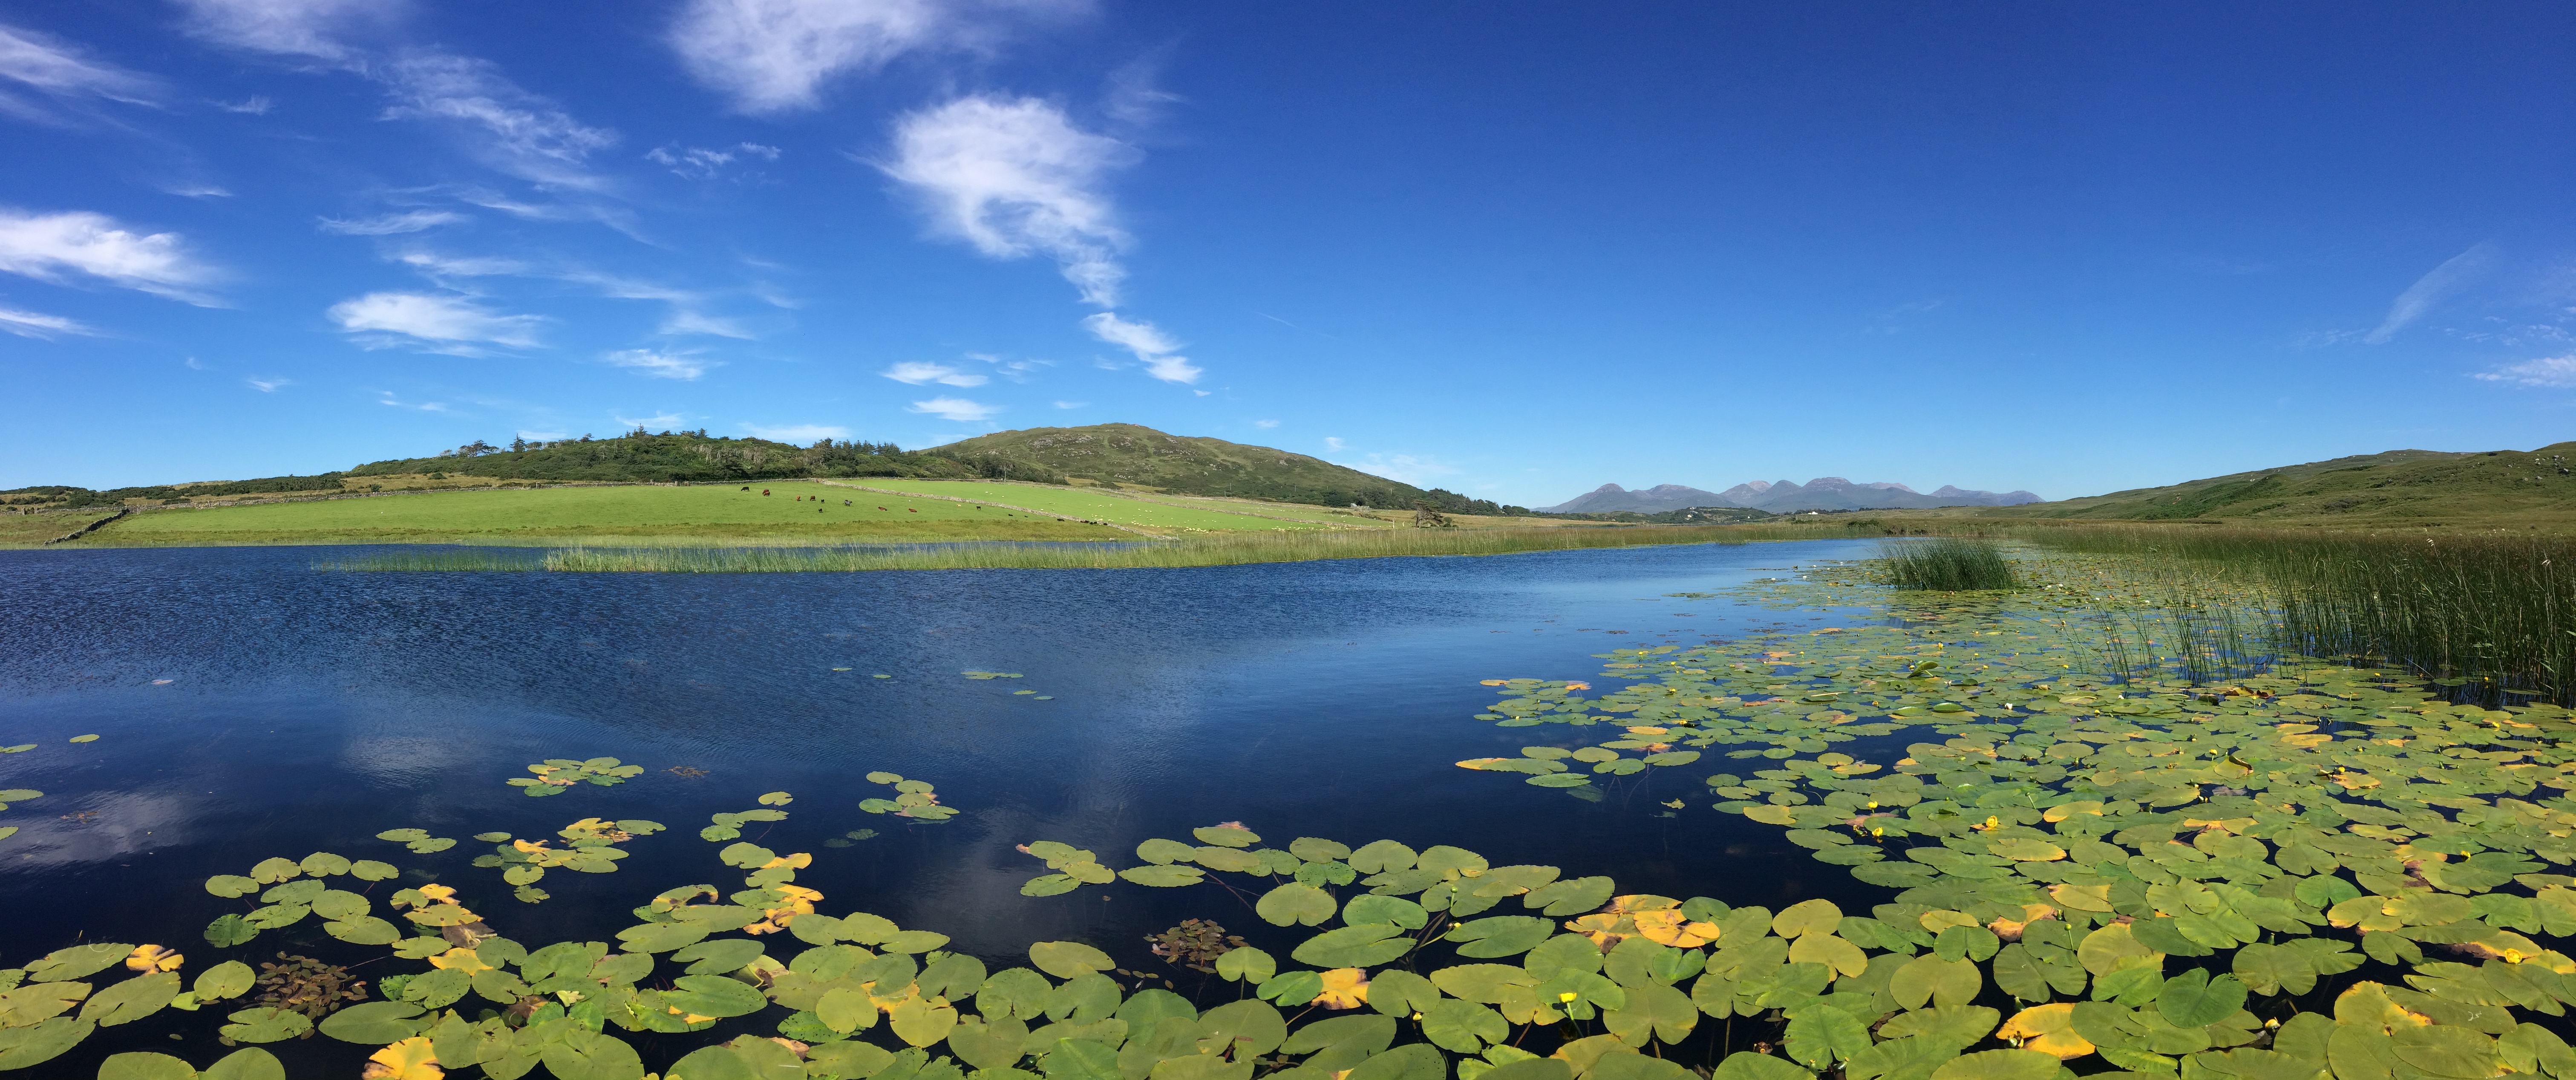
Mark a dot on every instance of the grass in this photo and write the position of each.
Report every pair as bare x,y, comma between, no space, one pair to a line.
2494,613
1219,550
1947,564
793,512
1160,512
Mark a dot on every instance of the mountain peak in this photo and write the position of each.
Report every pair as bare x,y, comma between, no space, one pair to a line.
1783,496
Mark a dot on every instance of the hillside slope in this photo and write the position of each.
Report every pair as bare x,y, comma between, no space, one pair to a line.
2392,487
1132,454
633,457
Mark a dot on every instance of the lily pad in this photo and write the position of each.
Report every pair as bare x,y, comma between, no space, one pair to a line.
266,1025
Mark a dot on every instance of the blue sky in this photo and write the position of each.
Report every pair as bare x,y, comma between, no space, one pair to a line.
1512,250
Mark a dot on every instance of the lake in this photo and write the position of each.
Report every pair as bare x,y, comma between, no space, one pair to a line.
248,706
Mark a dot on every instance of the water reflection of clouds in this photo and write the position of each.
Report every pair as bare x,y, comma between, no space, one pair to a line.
402,760
128,825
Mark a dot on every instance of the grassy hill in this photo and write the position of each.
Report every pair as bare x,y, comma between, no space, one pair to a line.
635,457
2399,487
1131,455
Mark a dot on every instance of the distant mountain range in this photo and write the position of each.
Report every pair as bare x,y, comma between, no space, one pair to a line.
1783,497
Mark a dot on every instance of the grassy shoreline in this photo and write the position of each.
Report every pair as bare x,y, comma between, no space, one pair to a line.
1225,550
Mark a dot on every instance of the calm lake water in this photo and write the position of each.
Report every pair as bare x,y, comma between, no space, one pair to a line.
306,711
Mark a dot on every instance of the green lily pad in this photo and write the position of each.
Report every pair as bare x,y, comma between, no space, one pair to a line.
266,1025
1296,903
374,1023
145,1066
38,1043
1164,876
1067,959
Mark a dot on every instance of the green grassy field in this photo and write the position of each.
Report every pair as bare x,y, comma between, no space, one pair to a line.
1160,512
794,512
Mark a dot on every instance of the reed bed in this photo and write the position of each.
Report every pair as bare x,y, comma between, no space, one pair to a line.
1948,564
2490,613
1221,550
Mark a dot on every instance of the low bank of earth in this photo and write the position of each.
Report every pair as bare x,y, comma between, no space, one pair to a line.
791,512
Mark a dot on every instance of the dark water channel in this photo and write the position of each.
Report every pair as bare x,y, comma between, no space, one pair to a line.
306,711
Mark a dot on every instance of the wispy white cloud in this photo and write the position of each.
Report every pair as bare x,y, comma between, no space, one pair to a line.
1157,350
2441,283
47,247
1332,442
446,269
409,221
919,373
59,72
949,408
1402,468
1133,98
774,55
1017,371
1014,177
2551,372
292,27
1071,404
657,420
798,433
255,105
40,326
1265,423
514,131
686,316
660,364
701,163
444,323
268,386
387,398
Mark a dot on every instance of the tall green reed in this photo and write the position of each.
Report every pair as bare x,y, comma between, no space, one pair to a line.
1947,564
2494,611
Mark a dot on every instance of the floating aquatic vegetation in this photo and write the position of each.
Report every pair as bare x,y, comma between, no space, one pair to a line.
686,771
1194,944
590,848
15,795
84,738
553,775
914,799
850,837
289,890
18,749
980,675
418,840
729,826
2075,829
305,985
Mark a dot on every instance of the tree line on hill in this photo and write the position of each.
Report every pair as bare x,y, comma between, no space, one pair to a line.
695,456
636,456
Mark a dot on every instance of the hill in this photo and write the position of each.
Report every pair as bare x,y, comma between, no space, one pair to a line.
2398,486
1784,497
637,456
1134,455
